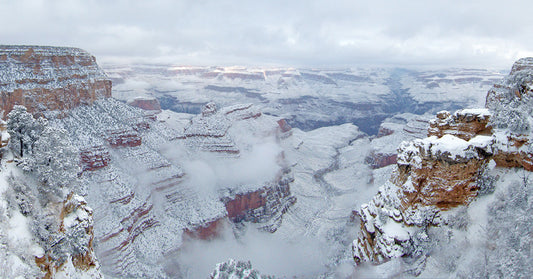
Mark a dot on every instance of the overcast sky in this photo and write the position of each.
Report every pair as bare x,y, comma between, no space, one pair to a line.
295,33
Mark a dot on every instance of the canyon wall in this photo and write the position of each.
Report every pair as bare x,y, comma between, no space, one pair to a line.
148,203
49,78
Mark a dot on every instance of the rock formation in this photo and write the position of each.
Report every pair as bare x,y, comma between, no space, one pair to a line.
264,206
464,124
50,81
151,104
378,160
72,253
94,158
391,133
444,170
209,131
118,138
49,78
206,231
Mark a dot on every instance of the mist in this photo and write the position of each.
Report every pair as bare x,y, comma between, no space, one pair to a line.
208,173
270,254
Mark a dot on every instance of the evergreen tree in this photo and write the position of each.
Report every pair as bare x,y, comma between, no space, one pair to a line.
54,159
23,129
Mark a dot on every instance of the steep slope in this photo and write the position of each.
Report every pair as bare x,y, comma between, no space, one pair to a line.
153,182
45,232
49,78
467,157
52,240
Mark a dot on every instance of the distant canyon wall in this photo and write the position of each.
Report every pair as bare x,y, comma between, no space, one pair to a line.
49,78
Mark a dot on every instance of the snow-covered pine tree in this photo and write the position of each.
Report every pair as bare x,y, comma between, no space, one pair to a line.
19,125
23,129
54,159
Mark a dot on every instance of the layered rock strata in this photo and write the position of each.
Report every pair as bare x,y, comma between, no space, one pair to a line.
94,158
464,124
150,104
264,206
443,171
49,78
148,204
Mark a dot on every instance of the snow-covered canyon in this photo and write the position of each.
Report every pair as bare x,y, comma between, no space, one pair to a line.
309,173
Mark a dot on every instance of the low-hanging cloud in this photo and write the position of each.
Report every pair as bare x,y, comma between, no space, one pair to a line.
269,253
208,172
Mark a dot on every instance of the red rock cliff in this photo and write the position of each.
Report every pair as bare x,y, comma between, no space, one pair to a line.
49,78
442,171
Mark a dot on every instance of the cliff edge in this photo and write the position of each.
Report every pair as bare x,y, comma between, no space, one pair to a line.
43,78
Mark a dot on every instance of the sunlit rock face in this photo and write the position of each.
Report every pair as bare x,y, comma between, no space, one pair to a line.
49,78
445,170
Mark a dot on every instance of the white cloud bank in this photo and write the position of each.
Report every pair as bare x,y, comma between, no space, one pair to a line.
301,32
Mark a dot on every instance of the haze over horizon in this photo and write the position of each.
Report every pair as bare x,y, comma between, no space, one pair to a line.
281,33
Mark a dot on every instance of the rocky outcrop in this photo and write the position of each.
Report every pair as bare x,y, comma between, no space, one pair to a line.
391,133
284,126
264,206
94,158
440,172
384,131
209,131
444,170
145,103
72,252
514,151
208,231
123,138
241,206
464,124
511,100
378,160
49,78
432,175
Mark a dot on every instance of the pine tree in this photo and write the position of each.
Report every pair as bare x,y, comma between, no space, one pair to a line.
23,129
54,159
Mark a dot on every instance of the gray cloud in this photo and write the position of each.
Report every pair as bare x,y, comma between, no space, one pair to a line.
317,33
